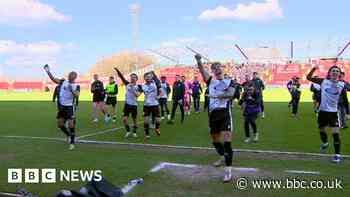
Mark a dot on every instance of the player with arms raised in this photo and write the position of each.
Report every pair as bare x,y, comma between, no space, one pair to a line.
67,93
221,91
151,90
331,89
130,107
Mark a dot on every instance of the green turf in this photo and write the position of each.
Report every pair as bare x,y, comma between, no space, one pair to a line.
279,131
270,95
121,165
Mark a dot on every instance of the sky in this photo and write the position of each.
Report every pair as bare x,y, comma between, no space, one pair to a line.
74,35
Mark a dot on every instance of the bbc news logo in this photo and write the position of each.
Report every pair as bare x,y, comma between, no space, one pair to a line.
50,175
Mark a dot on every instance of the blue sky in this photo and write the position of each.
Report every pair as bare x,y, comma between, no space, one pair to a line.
76,34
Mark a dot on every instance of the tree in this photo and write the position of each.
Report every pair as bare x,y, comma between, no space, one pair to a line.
125,61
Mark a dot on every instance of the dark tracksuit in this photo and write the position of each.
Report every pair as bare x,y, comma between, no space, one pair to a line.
178,99
206,99
196,94
289,87
163,102
98,91
251,111
295,92
238,90
259,87
346,103
316,95
342,108
246,84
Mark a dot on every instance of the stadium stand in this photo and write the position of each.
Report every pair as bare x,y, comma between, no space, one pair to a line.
28,85
4,85
272,74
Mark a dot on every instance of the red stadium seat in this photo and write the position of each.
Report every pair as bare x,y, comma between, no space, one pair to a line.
18,85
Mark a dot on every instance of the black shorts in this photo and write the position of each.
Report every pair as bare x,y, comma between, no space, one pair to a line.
130,109
327,119
163,101
316,97
111,101
66,112
220,120
98,98
151,110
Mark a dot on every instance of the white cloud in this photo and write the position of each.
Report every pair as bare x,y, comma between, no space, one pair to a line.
23,12
254,11
32,54
45,47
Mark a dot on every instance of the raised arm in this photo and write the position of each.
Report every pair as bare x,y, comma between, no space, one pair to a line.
201,68
121,76
311,77
48,72
156,79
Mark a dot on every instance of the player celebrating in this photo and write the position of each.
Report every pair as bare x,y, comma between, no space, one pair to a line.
163,100
259,87
151,90
196,94
67,93
251,108
295,92
220,121
112,91
178,99
331,89
98,98
130,107
187,96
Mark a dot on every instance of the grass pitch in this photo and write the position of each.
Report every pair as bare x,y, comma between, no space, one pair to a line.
279,131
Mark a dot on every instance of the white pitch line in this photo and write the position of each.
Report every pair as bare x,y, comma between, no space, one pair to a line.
162,165
103,132
209,149
180,147
99,132
245,169
9,194
302,172
127,188
157,167
35,138
166,164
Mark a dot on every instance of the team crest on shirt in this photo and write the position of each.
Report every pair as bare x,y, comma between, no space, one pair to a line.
333,89
222,86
